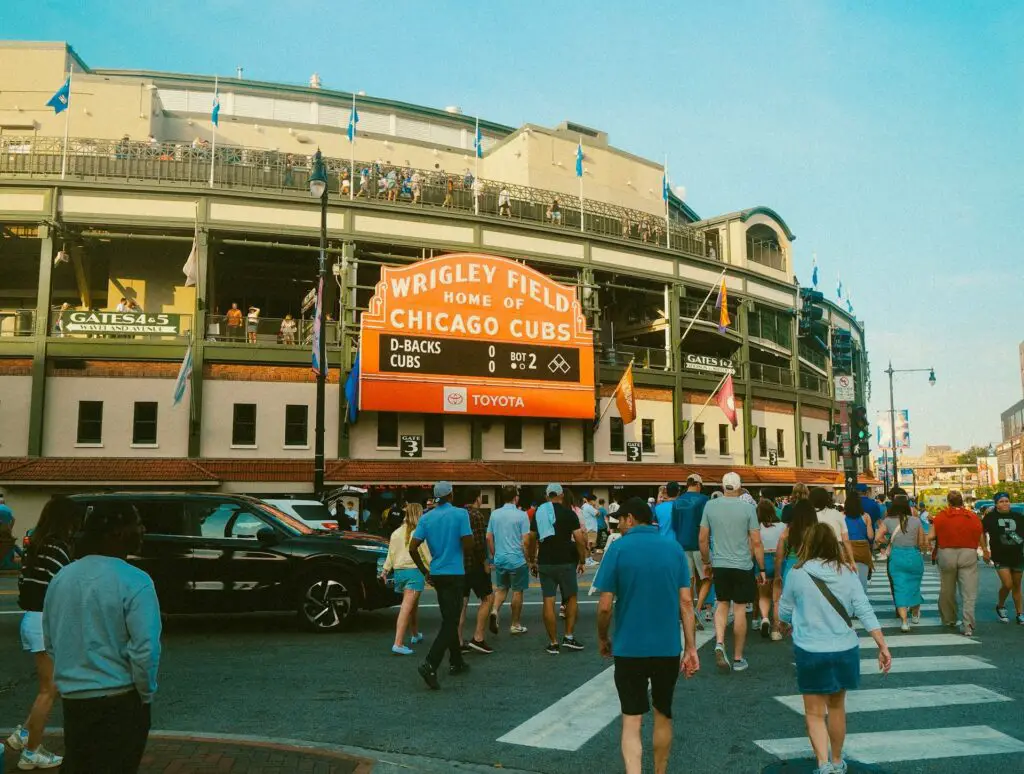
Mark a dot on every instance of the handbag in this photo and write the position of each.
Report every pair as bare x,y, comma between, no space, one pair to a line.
831,598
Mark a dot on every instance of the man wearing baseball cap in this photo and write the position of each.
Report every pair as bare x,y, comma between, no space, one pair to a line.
732,524
447,532
686,518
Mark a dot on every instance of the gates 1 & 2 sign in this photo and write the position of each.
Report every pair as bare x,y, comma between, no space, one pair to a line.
475,334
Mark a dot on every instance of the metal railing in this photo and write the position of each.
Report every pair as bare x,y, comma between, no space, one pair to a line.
269,331
766,253
62,329
814,356
813,383
652,358
17,322
769,374
257,169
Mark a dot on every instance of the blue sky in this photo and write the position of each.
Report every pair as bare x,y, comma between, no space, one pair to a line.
887,133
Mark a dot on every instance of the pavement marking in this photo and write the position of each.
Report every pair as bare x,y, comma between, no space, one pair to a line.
526,603
869,666
888,597
882,699
921,641
577,717
907,745
11,612
895,623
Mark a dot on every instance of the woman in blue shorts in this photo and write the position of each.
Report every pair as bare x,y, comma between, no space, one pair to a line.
409,581
820,598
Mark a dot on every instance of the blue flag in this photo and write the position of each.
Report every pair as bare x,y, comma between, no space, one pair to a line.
60,101
184,374
215,113
839,288
579,159
849,305
353,119
318,324
814,274
664,186
352,392
478,142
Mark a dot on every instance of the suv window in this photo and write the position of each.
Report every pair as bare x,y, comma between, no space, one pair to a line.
317,512
246,526
166,517
228,520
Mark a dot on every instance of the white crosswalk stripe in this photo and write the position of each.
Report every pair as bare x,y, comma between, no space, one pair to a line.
919,697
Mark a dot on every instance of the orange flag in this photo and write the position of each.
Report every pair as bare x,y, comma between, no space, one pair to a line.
625,397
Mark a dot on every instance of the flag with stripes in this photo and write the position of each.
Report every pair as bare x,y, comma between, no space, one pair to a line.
353,119
478,141
215,112
184,375
318,324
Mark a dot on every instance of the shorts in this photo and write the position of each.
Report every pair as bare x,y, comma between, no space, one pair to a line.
769,565
632,677
478,581
558,576
734,585
32,632
592,539
409,580
696,565
517,579
827,673
1016,567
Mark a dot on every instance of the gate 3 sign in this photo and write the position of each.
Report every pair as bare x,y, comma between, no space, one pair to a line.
120,322
475,334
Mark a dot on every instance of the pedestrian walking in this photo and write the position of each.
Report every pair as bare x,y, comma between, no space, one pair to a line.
771,531
647,578
49,552
821,499
602,524
9,550
687,512
820,599
800,492
101,622
508,540
957,534
409,581
731,525
590,518
861,533
664,506
1005,531
447,532
558,555
869,505
478,575
906,541
787,551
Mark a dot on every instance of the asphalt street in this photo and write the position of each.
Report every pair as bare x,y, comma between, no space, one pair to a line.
950,705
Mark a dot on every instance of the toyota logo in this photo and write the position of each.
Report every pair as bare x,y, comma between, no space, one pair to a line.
455,399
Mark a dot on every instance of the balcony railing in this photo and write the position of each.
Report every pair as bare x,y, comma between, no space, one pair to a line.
653,358
17,322
268,170
769,374
813,383
269,331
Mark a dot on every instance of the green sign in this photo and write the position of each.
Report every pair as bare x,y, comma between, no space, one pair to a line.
120,322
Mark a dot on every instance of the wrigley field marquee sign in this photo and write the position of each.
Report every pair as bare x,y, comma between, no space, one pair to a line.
120,322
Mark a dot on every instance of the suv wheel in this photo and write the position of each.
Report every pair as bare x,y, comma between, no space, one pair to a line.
327,601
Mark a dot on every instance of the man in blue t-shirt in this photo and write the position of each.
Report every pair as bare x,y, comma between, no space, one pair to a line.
870,505
686,516
647,577
508,540
663,510
447,532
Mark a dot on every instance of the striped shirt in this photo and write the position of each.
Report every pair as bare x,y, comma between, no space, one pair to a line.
37,573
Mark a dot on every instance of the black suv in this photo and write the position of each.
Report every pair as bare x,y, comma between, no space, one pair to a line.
217,553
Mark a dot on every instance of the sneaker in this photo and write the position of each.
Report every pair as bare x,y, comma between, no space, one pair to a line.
402,650
750,607
699,623
1001,614
915,619
721,659
481,646
18,739
590,562
416,639
429,675
459,669
518,629
905,626
740,665
572,643
968,631
840,768
41,758
766,628
552,649
561,611
1020,618
825,768
776,636
464,648
494,623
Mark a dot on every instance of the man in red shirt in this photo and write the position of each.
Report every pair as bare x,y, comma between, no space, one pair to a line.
958,534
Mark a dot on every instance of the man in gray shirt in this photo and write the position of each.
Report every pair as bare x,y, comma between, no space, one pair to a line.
731,524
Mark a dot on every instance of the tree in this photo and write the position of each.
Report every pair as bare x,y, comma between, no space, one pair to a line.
970,457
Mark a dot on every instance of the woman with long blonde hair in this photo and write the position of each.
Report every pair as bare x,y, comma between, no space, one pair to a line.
409,581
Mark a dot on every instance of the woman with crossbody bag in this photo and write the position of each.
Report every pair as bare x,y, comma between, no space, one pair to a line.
820,598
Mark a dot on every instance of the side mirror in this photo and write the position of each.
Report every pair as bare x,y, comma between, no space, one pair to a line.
266,536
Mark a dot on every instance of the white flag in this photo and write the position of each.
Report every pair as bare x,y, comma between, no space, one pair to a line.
191,267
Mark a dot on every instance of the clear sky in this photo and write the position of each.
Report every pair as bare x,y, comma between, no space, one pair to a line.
886,133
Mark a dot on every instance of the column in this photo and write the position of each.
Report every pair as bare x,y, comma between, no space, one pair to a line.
676,364
798,424
748,391
42,329
199,313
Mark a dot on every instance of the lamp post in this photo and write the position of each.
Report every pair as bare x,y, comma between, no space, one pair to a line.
318,190
892,411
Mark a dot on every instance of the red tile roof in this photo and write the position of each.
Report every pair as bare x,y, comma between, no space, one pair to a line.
108,470
259,470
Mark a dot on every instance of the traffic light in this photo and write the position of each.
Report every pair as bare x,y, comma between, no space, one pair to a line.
842,351
834,439
811,311
860,426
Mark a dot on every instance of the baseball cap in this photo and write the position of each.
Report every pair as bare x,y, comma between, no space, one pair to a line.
694,478
442,489
862,487
553,490
731,481
672,488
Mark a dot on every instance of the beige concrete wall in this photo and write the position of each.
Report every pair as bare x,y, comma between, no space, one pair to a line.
774,421
712,418
270,398
363,438
533,443
664,445
15,397
29,76
816,427
60,417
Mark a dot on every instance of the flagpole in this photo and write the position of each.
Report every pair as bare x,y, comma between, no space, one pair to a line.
67,127
352,152
611,398
702,305
213,146
700,413
582,229
668,230
476,174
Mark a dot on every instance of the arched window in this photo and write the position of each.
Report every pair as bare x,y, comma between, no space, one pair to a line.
763,247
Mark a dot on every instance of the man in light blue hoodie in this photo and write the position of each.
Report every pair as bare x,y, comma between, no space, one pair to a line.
101,624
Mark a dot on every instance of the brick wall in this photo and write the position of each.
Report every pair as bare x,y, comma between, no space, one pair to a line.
774,406
114,369
15,367
234,372
642,393
810,412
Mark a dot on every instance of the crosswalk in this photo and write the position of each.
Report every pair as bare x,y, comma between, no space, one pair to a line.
960,655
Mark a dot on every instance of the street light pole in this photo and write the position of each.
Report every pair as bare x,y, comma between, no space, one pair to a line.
892,413
318,189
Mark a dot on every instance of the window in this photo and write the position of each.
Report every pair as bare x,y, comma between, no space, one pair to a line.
296,425
700,443
90,421
433,431
144,423
617,434
513,434
762,441
552,435
243,425
780,441
647,435
163,517
723,439
821,448
387,430
807,445
227,520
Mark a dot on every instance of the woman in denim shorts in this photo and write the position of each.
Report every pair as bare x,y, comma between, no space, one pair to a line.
409,581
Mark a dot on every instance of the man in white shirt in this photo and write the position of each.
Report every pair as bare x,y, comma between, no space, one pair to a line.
821,499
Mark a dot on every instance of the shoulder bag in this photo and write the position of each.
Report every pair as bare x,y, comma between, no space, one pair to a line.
831,598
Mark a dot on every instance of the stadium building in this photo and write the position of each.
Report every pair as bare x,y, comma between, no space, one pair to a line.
499,297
